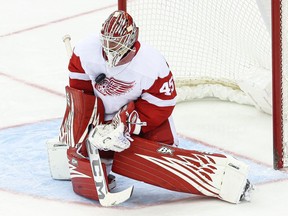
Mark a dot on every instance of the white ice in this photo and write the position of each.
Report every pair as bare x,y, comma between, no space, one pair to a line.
33,75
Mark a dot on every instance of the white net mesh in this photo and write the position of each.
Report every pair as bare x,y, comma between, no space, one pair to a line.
215,43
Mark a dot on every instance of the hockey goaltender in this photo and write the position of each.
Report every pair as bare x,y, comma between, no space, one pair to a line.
120,98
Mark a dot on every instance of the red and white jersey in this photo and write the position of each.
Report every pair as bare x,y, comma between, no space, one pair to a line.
146,79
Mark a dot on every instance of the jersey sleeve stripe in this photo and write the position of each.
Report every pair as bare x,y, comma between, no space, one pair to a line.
157,101
79,76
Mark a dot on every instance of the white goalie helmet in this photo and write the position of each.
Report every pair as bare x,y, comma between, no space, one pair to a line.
118,36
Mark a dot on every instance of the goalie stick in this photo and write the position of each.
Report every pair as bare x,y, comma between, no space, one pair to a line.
66,40
105,197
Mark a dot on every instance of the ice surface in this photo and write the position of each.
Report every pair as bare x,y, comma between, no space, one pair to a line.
32,78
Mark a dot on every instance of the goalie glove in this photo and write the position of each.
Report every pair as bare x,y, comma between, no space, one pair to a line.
116,136
108,137
130,118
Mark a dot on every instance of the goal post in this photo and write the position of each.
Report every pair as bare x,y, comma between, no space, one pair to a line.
122,5
234,50
280,81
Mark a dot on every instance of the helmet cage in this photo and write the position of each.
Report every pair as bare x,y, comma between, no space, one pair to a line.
118,35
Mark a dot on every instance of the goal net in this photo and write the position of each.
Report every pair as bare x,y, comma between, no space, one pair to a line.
223,49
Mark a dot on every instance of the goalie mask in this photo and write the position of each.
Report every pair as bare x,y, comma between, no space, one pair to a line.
118,36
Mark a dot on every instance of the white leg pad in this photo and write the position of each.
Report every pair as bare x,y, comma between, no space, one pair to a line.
58,161
234,180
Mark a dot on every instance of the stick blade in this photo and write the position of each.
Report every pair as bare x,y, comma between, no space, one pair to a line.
111,199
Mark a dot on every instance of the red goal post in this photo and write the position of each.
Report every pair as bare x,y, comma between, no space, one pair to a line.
279,80
233,50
